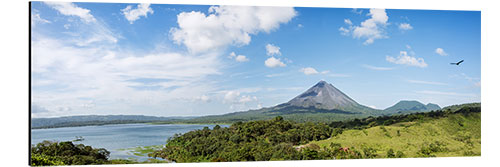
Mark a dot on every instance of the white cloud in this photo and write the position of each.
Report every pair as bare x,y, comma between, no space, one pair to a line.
357,11
72,72
309,71
246,99
227,25
344,31
404,59
92,32
70,9
300,26
274,62
241,58
272,50
203,98
133,14
426,82
312,71
233,97
259,106
238,58
372,28
377,68
35,18
440,51
348,21
405,26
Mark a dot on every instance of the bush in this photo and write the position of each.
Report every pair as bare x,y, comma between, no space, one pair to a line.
66,153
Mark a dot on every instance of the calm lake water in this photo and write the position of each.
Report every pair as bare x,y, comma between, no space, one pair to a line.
116,138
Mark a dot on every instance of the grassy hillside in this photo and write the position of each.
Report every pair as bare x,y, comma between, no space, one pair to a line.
453,135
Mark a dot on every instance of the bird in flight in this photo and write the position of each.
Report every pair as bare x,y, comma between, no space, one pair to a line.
457,63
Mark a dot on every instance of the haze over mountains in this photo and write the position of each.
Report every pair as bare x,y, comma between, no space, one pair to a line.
322,102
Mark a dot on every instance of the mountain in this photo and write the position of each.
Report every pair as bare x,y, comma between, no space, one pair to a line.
323,97
321,103
409,106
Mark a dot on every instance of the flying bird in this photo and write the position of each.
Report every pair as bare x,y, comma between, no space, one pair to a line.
457,63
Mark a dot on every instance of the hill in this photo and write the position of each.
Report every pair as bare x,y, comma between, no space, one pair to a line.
406,106
442,133
86,120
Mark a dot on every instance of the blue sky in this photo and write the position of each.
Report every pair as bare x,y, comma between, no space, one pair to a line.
183,60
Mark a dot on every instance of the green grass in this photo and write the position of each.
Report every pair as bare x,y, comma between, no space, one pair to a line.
455,135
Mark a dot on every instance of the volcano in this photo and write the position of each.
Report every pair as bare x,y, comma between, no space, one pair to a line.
324,97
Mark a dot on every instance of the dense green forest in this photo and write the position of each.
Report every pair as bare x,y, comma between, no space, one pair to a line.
49,153
280,139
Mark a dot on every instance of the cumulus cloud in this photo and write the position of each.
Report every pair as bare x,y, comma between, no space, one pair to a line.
133,14
440,51
233,97
404,59
227,25
370,29
274,62
238,58
405,26
312,71
272,50
70,9
309,71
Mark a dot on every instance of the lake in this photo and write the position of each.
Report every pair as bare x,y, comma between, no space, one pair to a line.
117,139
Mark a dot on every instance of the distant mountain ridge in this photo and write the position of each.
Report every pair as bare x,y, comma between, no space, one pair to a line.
85,120
409,106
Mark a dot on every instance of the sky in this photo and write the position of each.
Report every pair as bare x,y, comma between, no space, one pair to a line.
193,60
